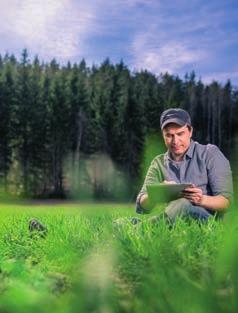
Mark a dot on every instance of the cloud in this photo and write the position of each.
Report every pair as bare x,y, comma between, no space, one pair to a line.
51,28
134,3
176,36
66,29
221,77
157,57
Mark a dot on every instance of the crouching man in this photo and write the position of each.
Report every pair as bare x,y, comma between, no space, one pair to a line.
186,161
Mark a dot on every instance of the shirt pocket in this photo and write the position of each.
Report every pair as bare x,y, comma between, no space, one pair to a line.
201,180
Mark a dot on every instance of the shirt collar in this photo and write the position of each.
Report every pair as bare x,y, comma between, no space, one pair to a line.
190,150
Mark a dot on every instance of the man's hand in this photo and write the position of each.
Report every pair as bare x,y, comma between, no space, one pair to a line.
214,203
169,182
146,203
194,195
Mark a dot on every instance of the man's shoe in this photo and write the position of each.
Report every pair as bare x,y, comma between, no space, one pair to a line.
37,228
154,220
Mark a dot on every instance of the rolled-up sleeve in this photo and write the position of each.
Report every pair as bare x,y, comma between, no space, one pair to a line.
219,173
153,176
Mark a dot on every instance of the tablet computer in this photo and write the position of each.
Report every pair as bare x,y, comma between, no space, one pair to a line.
165,192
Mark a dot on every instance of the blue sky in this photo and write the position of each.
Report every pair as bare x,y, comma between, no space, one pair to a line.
176,36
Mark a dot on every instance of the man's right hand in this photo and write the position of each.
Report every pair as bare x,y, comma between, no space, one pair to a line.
145,203
169,182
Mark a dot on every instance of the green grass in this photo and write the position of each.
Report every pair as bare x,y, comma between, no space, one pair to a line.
88,263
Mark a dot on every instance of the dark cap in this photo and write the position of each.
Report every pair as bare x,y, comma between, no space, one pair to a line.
177,116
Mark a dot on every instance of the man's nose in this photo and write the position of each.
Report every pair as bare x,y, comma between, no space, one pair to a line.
175,140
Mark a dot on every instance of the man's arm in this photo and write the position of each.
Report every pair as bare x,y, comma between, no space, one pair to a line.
214,203
219,180
146,204
153,176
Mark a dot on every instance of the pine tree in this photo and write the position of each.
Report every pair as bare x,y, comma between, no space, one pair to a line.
22,126
37,124
7,102
79,119
59,111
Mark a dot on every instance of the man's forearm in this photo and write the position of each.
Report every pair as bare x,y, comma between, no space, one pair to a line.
146,204
215,203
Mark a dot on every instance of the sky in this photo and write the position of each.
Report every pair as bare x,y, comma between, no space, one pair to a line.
174,36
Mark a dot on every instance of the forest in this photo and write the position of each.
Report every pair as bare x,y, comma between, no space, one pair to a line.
74,131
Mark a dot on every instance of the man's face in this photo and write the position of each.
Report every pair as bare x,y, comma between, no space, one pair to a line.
177,139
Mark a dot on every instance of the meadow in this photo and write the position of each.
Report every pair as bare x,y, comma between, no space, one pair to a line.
94,260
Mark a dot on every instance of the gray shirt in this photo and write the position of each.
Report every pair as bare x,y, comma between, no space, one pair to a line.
202,165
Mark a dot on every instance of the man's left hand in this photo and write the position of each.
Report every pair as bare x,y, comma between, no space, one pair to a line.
194,195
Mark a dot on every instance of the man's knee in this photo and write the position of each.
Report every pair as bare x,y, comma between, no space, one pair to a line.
177,208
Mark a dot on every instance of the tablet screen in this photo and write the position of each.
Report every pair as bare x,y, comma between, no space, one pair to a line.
165,192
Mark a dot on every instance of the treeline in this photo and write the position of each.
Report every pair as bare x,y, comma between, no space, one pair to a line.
74,130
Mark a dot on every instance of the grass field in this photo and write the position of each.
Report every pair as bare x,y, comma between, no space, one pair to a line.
89,263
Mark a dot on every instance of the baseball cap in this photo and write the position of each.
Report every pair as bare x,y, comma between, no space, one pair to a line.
174,115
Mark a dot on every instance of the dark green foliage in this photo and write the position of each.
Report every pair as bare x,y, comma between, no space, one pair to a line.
77,130
7,104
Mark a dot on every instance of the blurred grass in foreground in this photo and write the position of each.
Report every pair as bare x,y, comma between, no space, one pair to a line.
89,263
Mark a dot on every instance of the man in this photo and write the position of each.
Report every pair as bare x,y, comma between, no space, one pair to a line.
187,161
